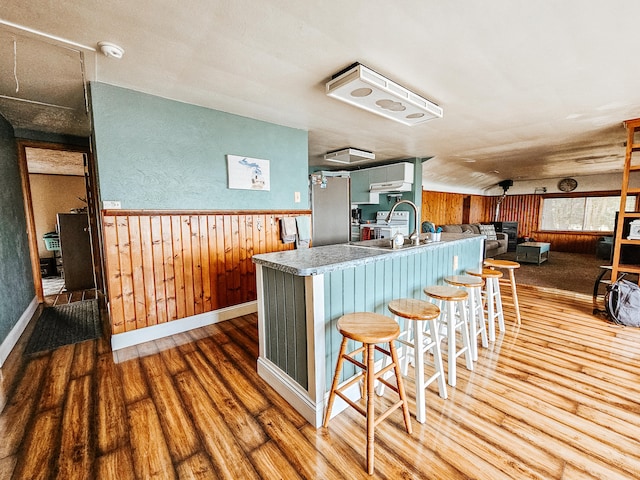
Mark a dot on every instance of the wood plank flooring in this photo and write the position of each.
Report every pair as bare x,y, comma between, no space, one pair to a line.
555,398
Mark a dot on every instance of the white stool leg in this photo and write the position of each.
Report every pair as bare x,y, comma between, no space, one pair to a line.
480,315
491,315
437,357
451,339
464,331
499,305
469,306
418,356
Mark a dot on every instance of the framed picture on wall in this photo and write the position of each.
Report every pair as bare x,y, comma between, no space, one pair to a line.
248,173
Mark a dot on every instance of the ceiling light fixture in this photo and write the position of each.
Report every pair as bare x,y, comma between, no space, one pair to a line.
111,50
362,87
349,155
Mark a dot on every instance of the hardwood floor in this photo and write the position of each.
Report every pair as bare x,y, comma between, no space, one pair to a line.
556,398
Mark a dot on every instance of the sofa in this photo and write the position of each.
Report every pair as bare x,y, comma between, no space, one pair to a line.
496,243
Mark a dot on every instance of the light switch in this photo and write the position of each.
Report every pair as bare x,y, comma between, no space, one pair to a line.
296,197
111,205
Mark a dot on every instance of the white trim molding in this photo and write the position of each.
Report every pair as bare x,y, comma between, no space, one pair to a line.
141,335
14,335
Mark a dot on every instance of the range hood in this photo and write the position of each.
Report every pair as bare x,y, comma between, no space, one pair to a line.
389,187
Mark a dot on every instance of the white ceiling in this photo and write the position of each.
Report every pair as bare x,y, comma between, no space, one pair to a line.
530,90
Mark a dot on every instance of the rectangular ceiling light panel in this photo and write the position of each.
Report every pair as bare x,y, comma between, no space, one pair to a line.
349,156
364,88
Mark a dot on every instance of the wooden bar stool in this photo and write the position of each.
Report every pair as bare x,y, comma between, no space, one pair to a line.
492,299
510,266
453,299
419,314
369,329
473,286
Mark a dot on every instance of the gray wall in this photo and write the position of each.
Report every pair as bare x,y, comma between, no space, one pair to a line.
16,278
154,153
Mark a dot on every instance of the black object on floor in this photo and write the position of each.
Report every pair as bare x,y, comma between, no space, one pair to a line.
65,325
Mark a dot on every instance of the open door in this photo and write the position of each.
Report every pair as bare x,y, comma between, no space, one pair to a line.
31,156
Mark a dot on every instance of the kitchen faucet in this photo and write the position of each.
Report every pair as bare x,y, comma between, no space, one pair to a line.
414,237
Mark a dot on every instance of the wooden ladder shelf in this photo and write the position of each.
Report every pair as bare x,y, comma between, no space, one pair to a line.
631,165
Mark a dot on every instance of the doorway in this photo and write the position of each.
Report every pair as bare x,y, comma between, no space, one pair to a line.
58,183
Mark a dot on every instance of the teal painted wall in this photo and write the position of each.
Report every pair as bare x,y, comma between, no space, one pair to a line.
16,277
154,153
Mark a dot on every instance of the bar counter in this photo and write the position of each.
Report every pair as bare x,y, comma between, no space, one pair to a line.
303,293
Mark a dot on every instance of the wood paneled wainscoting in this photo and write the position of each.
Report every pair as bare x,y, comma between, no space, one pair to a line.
166,266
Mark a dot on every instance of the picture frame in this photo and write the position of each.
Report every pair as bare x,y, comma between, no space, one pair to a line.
246,173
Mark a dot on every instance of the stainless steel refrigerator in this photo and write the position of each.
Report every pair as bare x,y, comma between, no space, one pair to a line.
330,210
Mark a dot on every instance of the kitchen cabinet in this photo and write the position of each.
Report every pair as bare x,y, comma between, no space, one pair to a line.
360,194
361,181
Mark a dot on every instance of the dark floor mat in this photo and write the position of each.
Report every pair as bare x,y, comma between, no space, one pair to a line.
65,325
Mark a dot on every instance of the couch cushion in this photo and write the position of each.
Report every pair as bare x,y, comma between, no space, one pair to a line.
452,228
466,228
489,231
491,244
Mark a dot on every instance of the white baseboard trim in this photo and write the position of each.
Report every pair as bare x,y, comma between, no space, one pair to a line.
14,335
298,398
141,335
293,393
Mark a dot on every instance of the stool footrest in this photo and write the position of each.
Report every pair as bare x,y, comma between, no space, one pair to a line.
384,370
388,412
390,385
351,402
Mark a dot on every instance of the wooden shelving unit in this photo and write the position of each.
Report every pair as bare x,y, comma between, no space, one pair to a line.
631,166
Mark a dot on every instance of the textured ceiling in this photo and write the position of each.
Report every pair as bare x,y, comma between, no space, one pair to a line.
530,90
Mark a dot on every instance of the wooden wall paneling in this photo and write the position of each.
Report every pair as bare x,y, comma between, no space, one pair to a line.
194,224
251,271
112,261
442,208
126,273
147,268
476,210
213,261
169,267
163,266
205,263
178,266
228,260
242,257
158,269
221,257
135,251
187,259
235,259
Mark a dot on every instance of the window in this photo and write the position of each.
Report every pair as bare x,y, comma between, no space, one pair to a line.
582,213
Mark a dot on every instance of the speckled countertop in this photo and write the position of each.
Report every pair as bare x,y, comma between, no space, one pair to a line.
317,260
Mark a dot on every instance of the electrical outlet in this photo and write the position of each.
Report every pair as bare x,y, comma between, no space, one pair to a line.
296,197
111,205
455,262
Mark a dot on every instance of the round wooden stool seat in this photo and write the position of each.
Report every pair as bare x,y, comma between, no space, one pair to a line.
446,293
368,327
414,309
463,281
486,273
507,264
